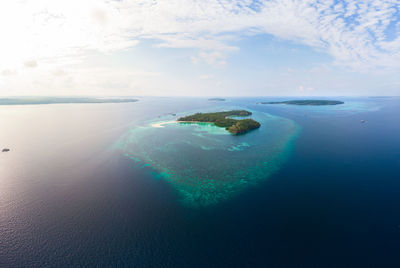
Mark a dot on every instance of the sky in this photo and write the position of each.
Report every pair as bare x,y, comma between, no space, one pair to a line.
199,48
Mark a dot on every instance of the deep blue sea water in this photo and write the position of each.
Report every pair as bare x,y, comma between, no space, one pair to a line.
69,197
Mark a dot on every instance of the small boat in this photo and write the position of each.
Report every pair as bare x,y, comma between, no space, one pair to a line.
362,121
5,150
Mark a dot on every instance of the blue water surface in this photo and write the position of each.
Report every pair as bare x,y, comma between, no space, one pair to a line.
70,197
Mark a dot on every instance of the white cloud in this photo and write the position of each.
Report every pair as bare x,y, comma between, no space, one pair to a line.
101,80
7,72
206,77
55,30
216,58
30,64
355,33
55,35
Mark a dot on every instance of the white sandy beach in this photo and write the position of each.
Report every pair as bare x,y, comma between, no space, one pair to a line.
161,124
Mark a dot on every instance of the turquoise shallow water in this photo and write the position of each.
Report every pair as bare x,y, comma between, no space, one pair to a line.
206,164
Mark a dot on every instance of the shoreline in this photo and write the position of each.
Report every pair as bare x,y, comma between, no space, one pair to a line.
161,124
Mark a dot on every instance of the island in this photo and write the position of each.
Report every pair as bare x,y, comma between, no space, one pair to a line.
224,119
306,102
60,100
5,150
216,99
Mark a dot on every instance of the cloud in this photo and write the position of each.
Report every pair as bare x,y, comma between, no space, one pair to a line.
58,72
100,17
8,72
80,80
216,59
30,64
360,35
206,77
56,31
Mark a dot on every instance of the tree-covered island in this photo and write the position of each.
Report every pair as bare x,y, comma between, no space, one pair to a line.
222,119
305,102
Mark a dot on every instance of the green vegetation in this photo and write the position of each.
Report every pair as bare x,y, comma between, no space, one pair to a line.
221,119
58,100
306,102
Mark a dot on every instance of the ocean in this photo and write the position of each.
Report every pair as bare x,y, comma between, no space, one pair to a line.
119,184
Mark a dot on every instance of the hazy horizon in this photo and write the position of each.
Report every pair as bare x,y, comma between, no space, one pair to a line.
195,96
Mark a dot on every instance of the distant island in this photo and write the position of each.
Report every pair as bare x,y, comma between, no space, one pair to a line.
306,102
216,99
221,119
60,100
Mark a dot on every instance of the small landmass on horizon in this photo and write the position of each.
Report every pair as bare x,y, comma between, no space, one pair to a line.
305,102
222,119
217,99
60,100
